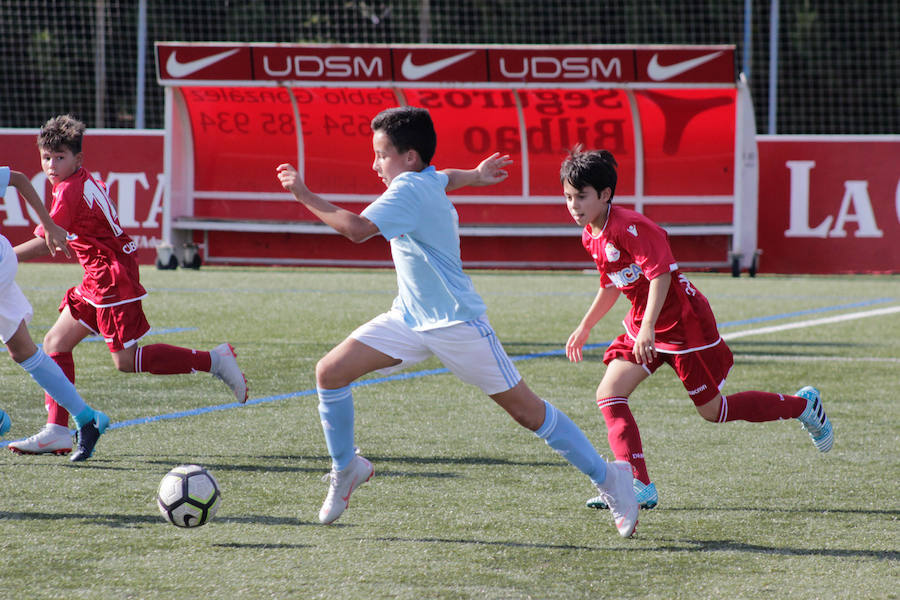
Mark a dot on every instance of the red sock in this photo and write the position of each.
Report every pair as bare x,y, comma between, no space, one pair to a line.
759,407
162,359
624,437
56,414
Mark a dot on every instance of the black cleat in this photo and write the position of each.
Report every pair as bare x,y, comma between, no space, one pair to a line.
88,436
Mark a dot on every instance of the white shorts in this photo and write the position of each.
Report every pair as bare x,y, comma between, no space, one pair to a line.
470,350
14,306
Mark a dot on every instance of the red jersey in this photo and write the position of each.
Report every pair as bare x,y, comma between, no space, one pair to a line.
629,252
81,206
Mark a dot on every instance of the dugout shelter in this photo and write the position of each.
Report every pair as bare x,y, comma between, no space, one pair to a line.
677,118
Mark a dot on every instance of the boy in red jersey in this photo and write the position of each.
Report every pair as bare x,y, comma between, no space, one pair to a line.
670,322
107,302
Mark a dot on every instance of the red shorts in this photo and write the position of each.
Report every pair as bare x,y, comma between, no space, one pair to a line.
702,372
121,325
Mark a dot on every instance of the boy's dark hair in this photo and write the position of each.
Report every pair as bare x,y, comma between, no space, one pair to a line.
408,128
595,168
64,131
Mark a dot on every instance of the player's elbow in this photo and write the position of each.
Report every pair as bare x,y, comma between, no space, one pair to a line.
360,231
356,237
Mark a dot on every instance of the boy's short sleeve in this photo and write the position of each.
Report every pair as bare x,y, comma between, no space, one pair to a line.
4,179
398,210
651,250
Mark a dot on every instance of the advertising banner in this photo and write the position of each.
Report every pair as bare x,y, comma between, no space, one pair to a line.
829,204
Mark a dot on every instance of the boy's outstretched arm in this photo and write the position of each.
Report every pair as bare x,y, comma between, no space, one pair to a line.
54,235
490,171
354,227
604,300
34,248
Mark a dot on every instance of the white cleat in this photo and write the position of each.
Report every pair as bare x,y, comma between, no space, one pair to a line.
342,485
52,439
225,367
617,492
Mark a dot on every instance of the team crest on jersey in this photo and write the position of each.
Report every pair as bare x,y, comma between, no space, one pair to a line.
612,253
632,230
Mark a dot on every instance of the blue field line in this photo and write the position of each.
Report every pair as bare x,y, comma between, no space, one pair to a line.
428,372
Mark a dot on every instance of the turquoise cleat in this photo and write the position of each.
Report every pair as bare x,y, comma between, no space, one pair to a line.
5,423
88,436
814,419
647,497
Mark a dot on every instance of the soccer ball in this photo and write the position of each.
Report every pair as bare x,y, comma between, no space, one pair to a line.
188,496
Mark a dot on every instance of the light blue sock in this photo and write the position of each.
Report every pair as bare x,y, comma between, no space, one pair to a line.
336,412
84,417
569,441
50,377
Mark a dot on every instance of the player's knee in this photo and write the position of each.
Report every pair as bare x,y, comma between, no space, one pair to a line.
710,410
524,406
710,418
527,417
51,342
604,390
125,366
327,376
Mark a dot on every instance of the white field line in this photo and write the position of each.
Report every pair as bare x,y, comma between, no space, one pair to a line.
813,322
794,358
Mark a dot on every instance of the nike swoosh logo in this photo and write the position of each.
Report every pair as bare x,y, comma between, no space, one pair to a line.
658,72
183,69
414,72
44,445
346,498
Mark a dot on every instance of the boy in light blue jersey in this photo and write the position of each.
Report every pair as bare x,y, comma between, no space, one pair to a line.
437,311
16,312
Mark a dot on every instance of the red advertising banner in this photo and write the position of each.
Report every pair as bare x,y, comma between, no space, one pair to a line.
356,64
561,65
829,204
439,64
321,63
664,64
826,204
131,164
204,61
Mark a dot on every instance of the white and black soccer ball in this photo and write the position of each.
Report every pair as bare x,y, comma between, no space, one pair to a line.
188,496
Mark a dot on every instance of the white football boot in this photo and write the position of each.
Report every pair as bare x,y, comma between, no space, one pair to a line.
53,438
617,493
342,484
224,366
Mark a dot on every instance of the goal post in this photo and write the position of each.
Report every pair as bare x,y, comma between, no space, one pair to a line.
678,120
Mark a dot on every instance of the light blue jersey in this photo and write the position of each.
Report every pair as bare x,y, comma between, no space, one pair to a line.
4,180
422,225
